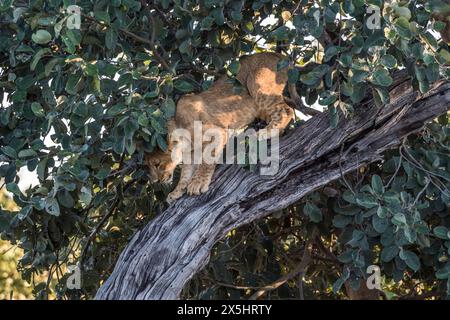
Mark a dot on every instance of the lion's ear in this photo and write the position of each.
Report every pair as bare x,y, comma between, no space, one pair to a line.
170,128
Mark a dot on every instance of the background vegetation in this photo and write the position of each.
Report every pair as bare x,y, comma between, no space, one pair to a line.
81,106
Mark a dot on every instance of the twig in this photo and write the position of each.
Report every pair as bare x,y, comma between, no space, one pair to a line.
396,169
300,269
420,193
94,232
226,285
97,228
153,38
342,171
296,102
330,255
149,42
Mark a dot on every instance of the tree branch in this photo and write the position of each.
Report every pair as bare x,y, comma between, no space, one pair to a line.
174,246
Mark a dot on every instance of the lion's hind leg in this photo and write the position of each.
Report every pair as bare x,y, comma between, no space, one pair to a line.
278,116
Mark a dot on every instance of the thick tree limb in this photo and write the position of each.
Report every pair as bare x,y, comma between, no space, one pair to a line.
162,257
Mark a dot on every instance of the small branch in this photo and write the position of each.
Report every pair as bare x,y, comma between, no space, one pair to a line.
153,38
111,211
300,269
329,255
91,237
298,105
232,286
149,42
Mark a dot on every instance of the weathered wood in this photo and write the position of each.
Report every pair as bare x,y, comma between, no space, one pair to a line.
162,257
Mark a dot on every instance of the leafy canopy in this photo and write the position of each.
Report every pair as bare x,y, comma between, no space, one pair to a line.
81,103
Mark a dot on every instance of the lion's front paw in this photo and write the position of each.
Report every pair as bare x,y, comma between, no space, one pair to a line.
198,186
174,195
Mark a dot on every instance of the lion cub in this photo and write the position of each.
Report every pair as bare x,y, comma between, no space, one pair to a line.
219,108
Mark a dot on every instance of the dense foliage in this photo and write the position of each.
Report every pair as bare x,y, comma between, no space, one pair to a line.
82,103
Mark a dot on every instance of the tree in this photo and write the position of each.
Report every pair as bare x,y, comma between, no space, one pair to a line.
11,285
88,90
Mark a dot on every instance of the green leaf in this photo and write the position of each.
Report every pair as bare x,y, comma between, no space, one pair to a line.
402,27
102,16
388,61
248,27
379,224
346,257
183,86
74,36
24,212
334,117
52,207
234,67
389,253
37,109
162,144
116,109
85,195
91,69
169,108
143,120
14,189
283,63
441,232
50,65
330,52
281,33
381,96
38,57
345,60
9,151
443,273
111,39
314,76
382,212
27,153
377,184
42,169
218,15
382,78
41,37
341,221
103,173
327,98
367,201
72,83
65,199
411,259
313,212
399,219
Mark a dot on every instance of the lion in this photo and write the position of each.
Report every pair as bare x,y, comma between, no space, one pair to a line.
221,109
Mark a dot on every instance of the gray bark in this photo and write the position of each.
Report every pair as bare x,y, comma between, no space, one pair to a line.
162,257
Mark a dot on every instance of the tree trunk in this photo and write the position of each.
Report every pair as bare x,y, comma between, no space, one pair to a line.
162,257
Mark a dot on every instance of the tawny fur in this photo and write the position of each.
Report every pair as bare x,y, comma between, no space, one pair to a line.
221,108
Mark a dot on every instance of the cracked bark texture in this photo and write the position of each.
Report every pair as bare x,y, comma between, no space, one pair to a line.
165,254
